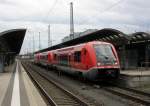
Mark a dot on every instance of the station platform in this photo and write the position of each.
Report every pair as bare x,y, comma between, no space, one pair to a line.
16,88
134,78
136,72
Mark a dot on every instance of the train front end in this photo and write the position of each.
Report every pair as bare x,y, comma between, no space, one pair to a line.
106,62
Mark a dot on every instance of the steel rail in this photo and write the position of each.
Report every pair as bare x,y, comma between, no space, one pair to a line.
50,100
129,94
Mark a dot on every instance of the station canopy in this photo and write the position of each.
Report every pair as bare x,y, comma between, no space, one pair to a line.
113,36
139,37
11,41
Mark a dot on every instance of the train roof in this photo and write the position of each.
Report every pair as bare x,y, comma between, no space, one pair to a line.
79,45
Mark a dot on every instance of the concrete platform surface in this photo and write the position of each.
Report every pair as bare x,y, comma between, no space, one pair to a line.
34,97
136,72
17,89
134,78
4,81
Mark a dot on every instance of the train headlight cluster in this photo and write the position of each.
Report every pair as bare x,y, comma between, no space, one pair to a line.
116,63
98,63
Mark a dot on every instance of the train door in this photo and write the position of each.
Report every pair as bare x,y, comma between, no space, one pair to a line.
84,52
77,59
69,59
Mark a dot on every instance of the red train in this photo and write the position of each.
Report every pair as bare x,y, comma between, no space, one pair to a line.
93,60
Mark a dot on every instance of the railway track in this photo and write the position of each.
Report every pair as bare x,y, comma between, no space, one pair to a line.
128,93
55,94
131,94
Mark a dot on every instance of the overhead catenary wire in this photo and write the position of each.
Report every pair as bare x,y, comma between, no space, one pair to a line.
107,8
45,18
50,10
112,6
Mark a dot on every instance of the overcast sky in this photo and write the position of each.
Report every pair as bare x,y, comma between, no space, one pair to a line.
35,15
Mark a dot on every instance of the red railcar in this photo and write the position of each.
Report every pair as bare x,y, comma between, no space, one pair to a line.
37,58
93,60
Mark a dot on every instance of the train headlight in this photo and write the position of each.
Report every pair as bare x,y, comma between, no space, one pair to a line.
98,64
116,63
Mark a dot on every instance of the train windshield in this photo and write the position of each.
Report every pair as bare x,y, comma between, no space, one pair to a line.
104,54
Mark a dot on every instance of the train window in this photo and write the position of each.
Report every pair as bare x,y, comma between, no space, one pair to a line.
69,58
104,54
77,56
63,59
44,57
